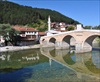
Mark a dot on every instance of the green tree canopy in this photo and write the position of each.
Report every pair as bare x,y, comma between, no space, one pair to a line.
13,14
69,28
8,32
87,27
97,27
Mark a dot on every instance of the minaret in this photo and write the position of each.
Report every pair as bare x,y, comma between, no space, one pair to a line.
49,23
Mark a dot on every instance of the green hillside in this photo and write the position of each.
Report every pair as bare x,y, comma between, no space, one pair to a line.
13,14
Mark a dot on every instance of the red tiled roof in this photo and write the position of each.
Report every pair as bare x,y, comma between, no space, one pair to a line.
20,28
42,33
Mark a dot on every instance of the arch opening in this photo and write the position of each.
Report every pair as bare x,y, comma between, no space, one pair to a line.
52,40
68,41
89,41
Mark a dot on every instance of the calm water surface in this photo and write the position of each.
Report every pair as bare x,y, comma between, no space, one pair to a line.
49,65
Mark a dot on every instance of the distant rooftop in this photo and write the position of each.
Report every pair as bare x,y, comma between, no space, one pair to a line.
20,28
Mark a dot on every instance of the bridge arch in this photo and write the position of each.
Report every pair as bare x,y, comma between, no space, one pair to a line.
68,40
52,40
89,40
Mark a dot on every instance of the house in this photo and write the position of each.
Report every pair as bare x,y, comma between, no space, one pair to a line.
62,26
28,35
42,34
59,26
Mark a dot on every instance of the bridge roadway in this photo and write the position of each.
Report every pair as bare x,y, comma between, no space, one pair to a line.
83,40
79,66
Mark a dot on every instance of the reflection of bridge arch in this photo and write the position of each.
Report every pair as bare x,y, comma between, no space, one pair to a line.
93,67
52,52
78,66
94,61
67,58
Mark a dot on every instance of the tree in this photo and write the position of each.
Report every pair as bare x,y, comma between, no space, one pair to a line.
97,27
87,27
8,33
69,28
42,29
13,14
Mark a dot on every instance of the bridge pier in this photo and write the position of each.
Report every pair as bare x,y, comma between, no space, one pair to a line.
79,48
61,45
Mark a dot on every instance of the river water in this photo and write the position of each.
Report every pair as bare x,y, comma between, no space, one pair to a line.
49,65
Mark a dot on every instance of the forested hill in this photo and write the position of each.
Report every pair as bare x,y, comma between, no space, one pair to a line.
13,14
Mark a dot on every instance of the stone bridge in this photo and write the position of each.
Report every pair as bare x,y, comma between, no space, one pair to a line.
82,40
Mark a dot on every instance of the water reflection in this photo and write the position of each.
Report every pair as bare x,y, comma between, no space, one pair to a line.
20,59
96,59
2,57
49,65
31,57
84,64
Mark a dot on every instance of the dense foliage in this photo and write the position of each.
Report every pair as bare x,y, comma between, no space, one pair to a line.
70,28
90,27
97,27
13,14
9,34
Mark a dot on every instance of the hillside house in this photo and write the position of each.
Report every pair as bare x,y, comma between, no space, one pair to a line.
28,35
59,26
62,27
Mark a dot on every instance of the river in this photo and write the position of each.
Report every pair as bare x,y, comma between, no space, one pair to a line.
49,65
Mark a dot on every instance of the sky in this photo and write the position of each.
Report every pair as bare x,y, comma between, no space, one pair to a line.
86,12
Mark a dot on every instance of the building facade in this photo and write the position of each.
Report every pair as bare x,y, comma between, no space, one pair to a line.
28,35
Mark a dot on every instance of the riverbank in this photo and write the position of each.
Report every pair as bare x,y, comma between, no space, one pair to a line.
17,48
96,45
